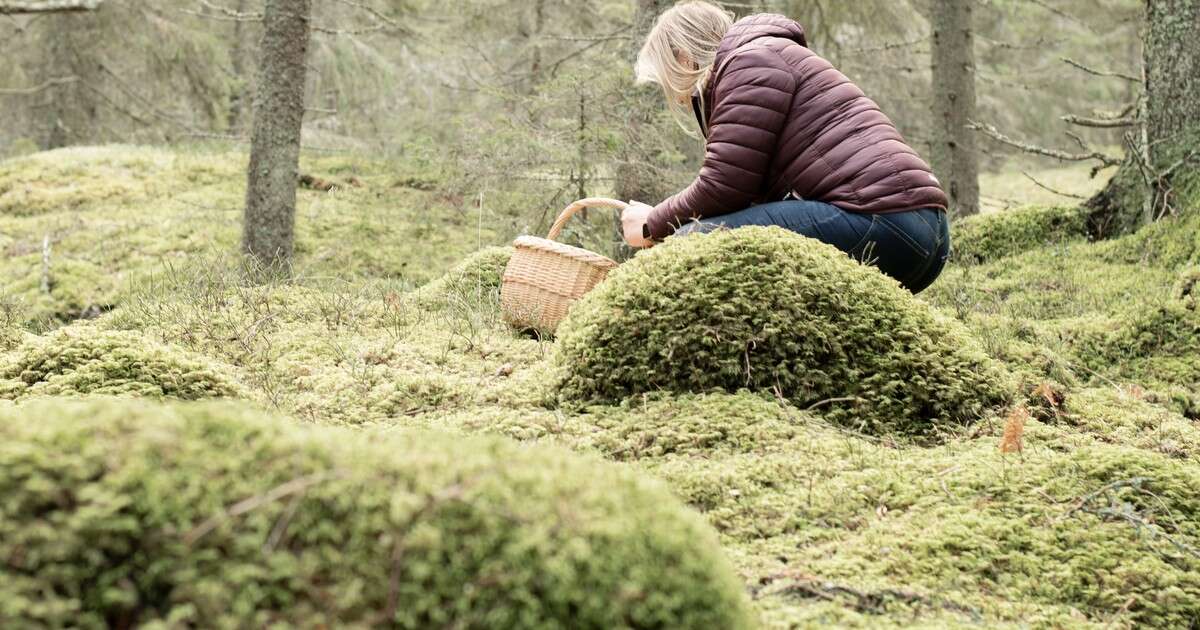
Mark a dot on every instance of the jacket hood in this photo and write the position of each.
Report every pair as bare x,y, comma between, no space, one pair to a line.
743,32
759,26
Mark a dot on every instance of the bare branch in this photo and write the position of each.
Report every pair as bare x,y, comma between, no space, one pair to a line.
37,88
226,11
1063,14
373,12
1047,188
1100,123
1101,73
994,134
223,14
886,47
12,7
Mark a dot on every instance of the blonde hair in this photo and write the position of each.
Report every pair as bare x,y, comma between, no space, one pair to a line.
680,49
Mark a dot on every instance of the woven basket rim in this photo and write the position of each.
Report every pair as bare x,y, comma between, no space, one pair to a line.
570,251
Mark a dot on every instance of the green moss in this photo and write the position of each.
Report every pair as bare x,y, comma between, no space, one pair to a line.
474,280
1103,552
771,311
1187,288
995,235
78,289
1170,243
829,525
705,424
133,210
1127,416
1155,345
76,179
211,515
88,361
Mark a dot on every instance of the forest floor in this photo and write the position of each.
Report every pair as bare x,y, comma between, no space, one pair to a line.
1088,517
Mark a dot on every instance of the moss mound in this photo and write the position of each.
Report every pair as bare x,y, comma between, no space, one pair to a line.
129,513
705,425
78,289
88,361
996,235
78,178
476,278
767,310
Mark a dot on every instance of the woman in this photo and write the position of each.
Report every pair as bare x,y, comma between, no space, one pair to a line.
790,141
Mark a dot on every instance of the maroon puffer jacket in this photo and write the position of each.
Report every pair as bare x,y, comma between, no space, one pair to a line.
782,119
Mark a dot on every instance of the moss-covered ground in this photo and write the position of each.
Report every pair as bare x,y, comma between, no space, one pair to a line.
1077,505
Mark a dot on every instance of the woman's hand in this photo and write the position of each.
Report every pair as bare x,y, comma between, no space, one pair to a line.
633,220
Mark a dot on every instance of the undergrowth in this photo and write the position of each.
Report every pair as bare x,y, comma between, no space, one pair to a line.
1074,507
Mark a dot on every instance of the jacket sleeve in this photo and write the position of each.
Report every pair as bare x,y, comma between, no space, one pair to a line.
751,101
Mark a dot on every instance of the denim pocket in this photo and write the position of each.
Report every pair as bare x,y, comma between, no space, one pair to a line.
905,237
864,250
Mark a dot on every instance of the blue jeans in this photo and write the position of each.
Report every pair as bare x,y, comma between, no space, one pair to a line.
910,246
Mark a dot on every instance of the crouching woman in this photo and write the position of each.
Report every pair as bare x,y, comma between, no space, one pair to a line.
790,141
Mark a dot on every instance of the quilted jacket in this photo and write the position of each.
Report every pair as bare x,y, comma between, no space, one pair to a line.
780,119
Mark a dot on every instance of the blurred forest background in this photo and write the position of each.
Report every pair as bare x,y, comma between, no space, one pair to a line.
523,105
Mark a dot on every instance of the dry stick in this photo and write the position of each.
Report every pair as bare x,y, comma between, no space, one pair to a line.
46,264
1057,192
38,88
1063,14
829,401
48,6
295,486
1128,515
226,11
372,11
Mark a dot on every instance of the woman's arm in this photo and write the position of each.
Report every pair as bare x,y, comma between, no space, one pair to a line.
750,106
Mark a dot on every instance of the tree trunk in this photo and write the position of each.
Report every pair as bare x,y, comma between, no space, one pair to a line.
12,7
1161,164
954,155
268,230
637,177
71,113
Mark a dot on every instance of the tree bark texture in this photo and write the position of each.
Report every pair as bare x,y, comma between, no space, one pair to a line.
1161,173
268,229
954,156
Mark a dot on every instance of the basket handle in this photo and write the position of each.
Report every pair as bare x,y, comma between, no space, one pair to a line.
591,202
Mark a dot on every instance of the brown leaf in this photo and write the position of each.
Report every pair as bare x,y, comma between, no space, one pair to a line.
1014,431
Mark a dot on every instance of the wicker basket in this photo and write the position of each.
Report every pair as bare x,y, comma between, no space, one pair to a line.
544,277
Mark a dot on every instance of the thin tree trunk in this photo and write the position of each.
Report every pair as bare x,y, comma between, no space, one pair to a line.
237,59
268,230
1161,158
954,155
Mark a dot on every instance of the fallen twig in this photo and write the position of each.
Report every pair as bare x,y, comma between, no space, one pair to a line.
295,486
